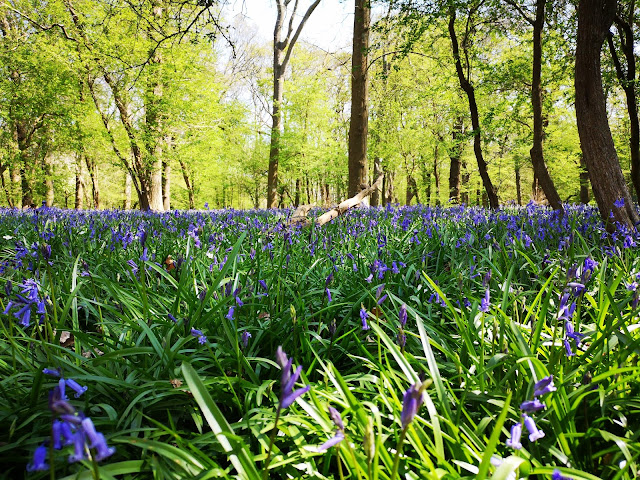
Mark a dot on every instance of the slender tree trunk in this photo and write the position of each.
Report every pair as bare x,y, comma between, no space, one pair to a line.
454,156
359,122
469,90
166,186
436,175
187,182
584,182
594,20
426,180
518,185
390,187
282,48
465,177
296,201
79,196
536,152
48,182
308,189
126,205
627,79
377,171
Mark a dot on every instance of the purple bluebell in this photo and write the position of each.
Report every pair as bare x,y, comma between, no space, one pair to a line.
363,318
402,315
557,475
531,406
567,347
485,303
202,339
328,292
332,442
172,318
54,372
402,339
244,338
78,447
544,386
97,441
411,402
335,417
288,380
76,387
39,462
516,434
534,432
619,203
230,313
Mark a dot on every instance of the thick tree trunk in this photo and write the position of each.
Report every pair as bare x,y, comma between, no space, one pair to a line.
359,122
377,171
627,79
469,90
389,177
454,156
584,182
594,20
536,152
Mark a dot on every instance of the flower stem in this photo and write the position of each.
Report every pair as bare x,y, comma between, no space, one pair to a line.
396,459
265,468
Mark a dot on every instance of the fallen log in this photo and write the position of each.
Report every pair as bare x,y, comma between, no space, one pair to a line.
299,217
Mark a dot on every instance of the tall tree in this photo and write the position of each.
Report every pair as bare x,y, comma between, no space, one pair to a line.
282,48
541,173
625,22
359,123
469,90
595,17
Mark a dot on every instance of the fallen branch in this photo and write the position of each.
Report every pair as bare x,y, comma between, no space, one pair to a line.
299,217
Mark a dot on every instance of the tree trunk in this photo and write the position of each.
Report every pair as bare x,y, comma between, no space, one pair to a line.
188,184
359,122
426,180
48,182
166,186
79,195
390,187
627,79
282,49
594,20
454,156
536,152
377,171
584,182
436,175
469,90
127,191
465,177
412,190
296,201
518,185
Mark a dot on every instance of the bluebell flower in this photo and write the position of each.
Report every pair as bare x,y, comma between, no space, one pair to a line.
172,318
363,318
244,338
619,203
328,292
229,315
534,432
39,462
332,442
402,315
531,406
557,475
202,339
78,447
76,387
411,402
516,434
544,386
288,380
54,372
485,303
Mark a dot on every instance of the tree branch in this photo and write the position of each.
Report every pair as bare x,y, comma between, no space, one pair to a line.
307,14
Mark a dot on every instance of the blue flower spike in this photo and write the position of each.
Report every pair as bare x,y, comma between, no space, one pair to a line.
516,434
544,386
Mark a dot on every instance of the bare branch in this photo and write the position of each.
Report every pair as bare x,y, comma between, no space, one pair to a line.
307,14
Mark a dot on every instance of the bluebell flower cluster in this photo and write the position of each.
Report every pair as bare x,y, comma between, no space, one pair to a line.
288,380
31,301
70,427
542,387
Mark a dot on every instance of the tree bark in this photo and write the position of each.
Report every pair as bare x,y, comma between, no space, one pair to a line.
79,195
536,152
359,122
518,186
627,79
188,183
377,171
584,182
469,90
48,181
126,205
282,48
454,156
436,174
166,186
594,20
